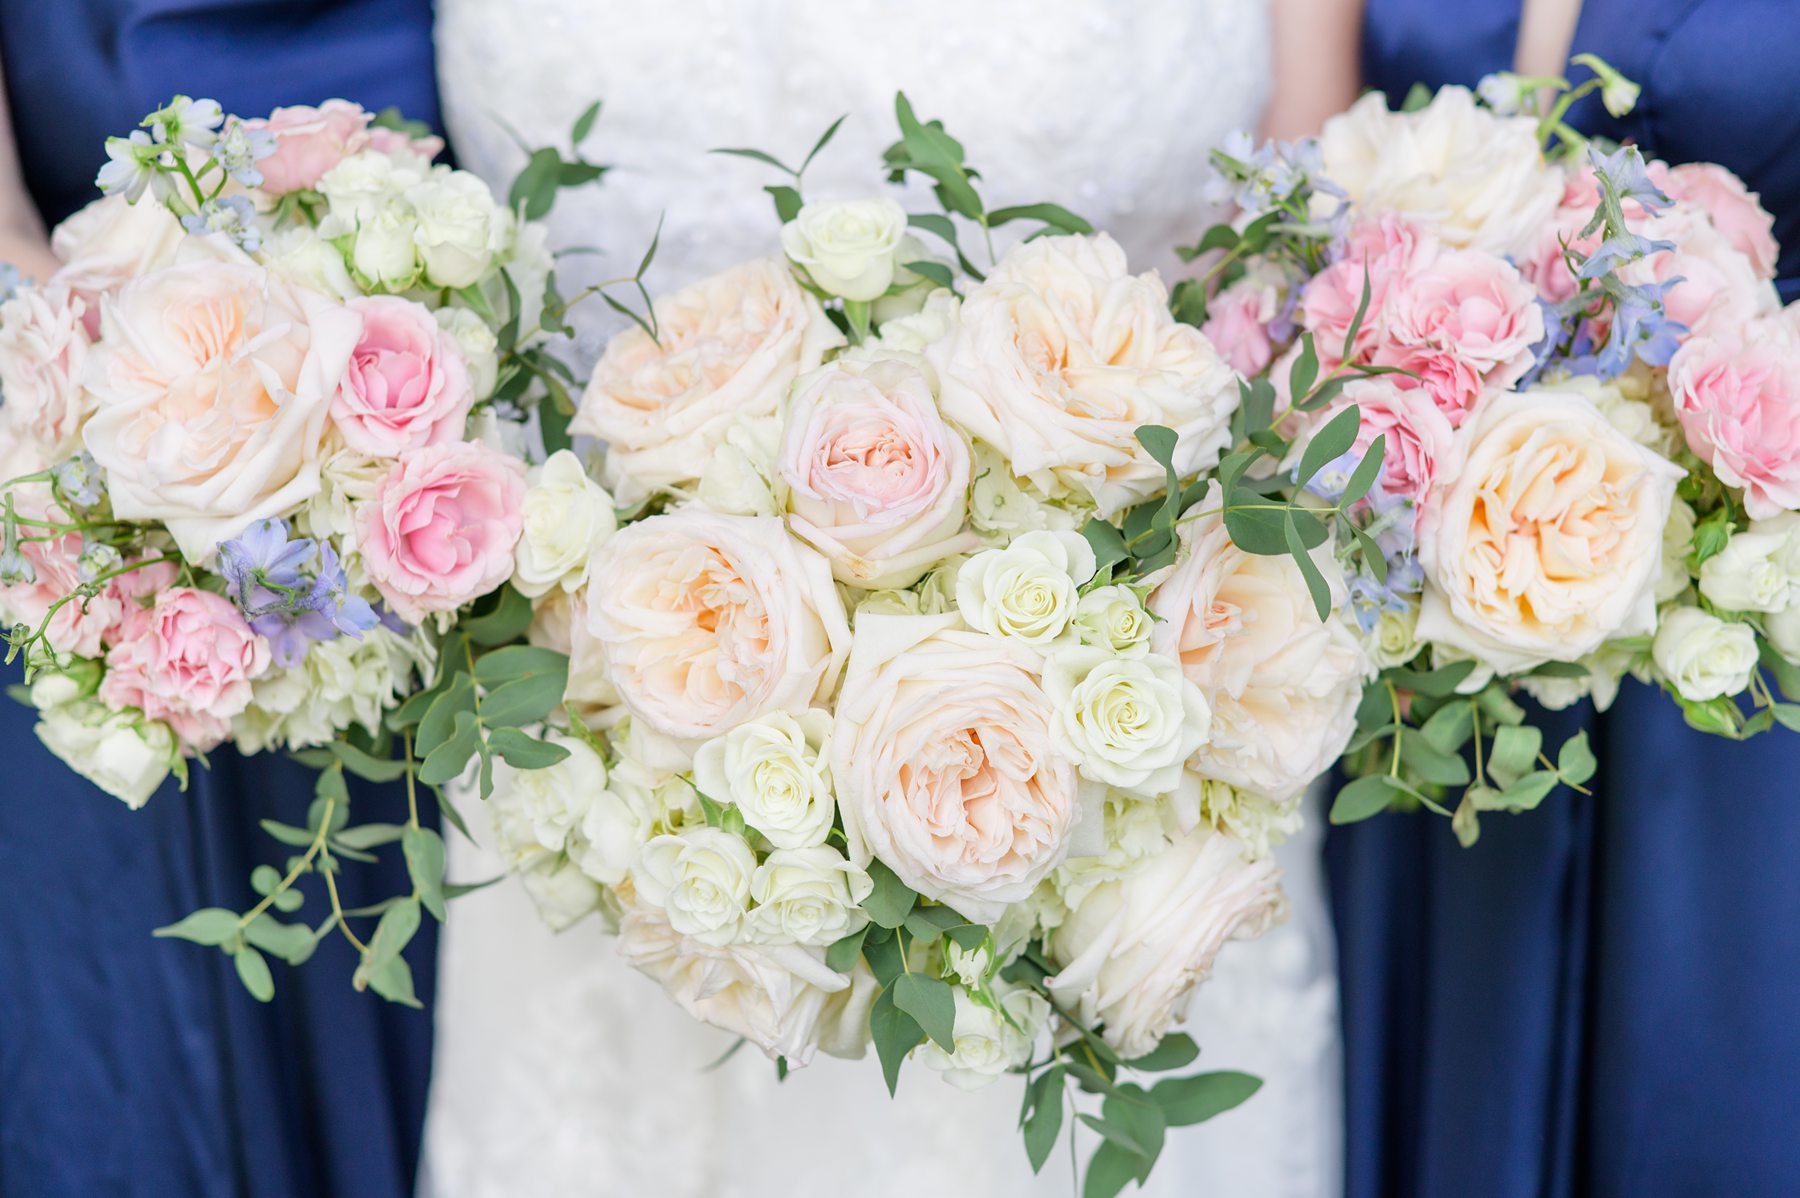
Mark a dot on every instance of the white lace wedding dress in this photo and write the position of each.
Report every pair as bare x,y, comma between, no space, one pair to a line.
562,1073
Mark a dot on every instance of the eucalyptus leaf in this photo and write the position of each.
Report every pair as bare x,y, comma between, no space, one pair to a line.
253,971
932,1003
1189,1100
895,1034
208,925
424,852
524,700
1363,798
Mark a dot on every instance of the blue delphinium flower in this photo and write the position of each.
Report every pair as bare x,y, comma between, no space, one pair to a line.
233,216
1624,168
240,148
77,480
1618,250
285,601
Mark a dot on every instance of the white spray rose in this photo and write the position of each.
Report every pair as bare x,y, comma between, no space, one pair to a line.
739,477
619,821
1113,618
121,752
562,894
987,1042
1026,591
774,769
568,516
1677,543
1702,656
363,185
1128,722
701,877
302,255
535,810
384,253
1394,640
459,227
807,896
1606,668
849,248
933,321
480,347
1747,574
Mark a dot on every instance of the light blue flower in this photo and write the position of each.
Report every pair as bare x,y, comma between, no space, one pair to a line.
239,149
185,119
232,216
1624,168
131,166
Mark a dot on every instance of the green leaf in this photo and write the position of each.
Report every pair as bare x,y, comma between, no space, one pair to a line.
1107,543
1305,369
285,940
1436,683
264,879
1177,1049
1365,474
787,202
393,981
253,971
505,621
1356,321
393,933
448,810
843,954
1450,727
1219,237
1044,1124
366,765
208,925
1187,302
424,852
535,186
1363,798
755,156
1309,570
932,1003
1109,1169
450,758
937,272
367,836
891,900
524,700
1189,1100
440,720
929,923
287,833
1529,791
523,751
1466,823
881,949
1575,760
1417,97
1514,753
1329,443
1430,764
1788,714
824,140
895,1034
518,661
1054,215
584,124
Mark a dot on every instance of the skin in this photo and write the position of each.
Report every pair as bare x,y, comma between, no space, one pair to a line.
22,239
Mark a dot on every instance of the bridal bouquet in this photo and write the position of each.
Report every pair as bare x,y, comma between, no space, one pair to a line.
1587,388
957,661
262,431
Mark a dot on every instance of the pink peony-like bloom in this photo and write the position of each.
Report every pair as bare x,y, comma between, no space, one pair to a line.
1718,290
1472,304
1420,445
188,659
1739,404
441,527
1237,323
80,627
1384,250
1545,267
310,141
392,141
1451,380
1735,211
43,352
407,385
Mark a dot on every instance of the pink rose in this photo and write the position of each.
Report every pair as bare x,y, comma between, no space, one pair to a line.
1473,304
1421,443
1735,211
43,352
1451,380
81,628
392,141
407,385
310,141
188,660
1545,267
1384,249
1719,290
1739,404
441,528
1237,323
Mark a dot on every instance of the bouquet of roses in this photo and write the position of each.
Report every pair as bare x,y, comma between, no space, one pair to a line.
263,434
1587,389
958,660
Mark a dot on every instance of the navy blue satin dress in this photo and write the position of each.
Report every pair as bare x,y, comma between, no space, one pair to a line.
1600,998
139,1068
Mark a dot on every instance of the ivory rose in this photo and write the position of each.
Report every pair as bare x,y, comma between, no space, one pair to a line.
309,141
1702,656
705,621
869,473
567,517
188,660
728,349
1548,541
947,766
110,242
1130,723
441,527
213,381
1131,952
1028,591
1479,178
1282,684
1738,400
701,878
774,770
848,248
43,357
406,385
1061,355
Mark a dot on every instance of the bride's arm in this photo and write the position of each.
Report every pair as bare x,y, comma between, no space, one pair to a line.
1318,71
22,240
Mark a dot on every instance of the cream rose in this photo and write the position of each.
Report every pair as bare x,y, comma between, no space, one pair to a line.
807,896
1028,590
1548,542
568,516
701,877
705,621
214,381
849,248
1130,723
1479,179
1282,684
121,752
728,349
1061,355
1132,951
110,242
774,770
946,763
1113,618
869,473
535,810
1748,574
988,1043
1702,656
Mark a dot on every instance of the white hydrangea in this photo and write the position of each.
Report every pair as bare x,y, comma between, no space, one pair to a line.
339,684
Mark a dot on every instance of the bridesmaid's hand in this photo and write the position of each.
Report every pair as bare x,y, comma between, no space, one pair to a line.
22,240
1316,46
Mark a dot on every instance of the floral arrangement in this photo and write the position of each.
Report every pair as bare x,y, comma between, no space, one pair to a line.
957,661
264,433
1584,380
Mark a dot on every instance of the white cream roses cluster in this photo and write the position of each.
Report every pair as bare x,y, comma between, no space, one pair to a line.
1061,355
410,223
1027,591
727,349
774,771
1548,543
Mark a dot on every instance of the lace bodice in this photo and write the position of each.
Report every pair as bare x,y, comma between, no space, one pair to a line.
562,1072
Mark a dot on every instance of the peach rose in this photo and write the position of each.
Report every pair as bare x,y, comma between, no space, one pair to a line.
407,384
441,527
188,659
705,621
870,475
1282,684
43,357
946,764
1061,355
1734,209
1738,400
1548,541
730,347
310,141
213,381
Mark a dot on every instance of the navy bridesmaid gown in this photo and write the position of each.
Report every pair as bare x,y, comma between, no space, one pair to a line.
1599,998
140,1068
